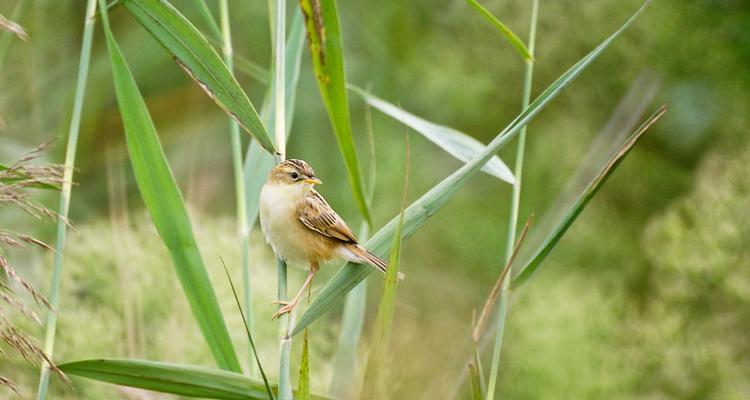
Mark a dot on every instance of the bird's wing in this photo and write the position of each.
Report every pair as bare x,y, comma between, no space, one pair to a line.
315,213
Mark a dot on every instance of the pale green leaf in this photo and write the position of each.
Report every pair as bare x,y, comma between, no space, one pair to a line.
456,143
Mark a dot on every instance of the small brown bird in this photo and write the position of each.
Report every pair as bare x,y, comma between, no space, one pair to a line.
302,228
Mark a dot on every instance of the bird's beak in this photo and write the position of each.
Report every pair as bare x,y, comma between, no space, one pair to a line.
313,181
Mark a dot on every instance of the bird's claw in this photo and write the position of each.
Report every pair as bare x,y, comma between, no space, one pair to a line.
287,308
281,302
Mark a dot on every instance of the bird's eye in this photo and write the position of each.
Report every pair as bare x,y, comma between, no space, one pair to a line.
294,175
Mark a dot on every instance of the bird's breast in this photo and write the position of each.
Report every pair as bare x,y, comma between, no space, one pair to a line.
281,228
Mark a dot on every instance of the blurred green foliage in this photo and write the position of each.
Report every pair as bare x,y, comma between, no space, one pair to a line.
646,296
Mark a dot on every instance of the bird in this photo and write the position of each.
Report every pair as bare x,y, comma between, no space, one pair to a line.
302,229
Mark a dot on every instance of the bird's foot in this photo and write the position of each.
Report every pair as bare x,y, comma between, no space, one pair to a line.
287,308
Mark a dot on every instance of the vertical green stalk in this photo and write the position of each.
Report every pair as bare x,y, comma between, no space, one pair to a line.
70,157
239,182
279,63
514,205
286,321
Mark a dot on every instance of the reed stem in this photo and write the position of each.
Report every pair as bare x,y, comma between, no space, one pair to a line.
62,227
514,207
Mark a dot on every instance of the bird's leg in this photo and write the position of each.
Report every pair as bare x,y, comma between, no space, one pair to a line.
288,306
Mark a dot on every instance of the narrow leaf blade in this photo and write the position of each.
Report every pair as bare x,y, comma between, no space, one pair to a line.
162,197
511,37
456,143
179,379
530,266
195,55
419,211
326,50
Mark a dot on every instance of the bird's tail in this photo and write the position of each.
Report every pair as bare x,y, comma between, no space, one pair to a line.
364,256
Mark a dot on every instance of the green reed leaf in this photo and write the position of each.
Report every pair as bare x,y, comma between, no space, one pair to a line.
202,63
164,202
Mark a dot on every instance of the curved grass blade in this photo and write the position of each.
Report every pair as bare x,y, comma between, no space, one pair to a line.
179,379
511,37
419,211
164,202
326,50
195,55
456,143
530,266
67,187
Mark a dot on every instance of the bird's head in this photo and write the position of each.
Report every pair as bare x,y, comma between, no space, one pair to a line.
295,174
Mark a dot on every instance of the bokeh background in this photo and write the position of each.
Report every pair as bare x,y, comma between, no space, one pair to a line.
647,296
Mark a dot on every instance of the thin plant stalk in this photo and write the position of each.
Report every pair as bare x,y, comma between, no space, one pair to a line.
514,206
70,157
239,181
279,63
286,321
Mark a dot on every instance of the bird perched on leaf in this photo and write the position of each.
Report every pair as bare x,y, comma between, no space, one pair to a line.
302,228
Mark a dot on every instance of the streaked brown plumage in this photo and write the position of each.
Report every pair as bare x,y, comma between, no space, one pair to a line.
302,228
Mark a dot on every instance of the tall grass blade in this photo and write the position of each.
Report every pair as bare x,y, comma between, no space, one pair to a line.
249,335
164,202
456,143
511,37
511,247
326,50
65,194
375,373
195,55
419,211
529,266
179,379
